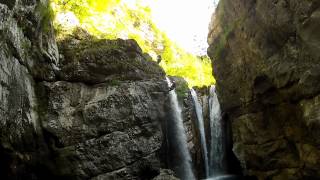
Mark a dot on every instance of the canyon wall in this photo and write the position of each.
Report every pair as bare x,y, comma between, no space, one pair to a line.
82,108
28,52
266,60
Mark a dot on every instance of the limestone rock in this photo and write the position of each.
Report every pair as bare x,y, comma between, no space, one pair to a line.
104,128
265,57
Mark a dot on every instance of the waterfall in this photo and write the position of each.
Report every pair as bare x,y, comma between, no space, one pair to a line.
203,141
179,137
217,157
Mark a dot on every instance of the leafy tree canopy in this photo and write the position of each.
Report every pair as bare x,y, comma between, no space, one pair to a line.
113,19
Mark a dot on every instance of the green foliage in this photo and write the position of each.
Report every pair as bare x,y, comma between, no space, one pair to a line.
182,89
196,70
46,15
113,19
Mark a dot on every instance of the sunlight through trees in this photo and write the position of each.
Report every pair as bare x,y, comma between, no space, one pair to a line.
113,19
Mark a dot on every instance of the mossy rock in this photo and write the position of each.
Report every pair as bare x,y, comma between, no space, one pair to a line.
182,88
92,60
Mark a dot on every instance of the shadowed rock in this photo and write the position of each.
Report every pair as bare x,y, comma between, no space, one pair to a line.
265,57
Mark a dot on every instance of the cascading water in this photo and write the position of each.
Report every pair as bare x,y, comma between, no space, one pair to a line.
217,157
179,137
216,164
203,141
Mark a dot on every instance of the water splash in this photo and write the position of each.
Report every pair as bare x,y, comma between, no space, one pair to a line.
225,177
203,141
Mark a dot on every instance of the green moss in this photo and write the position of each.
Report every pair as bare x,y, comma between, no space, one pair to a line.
182,89
46,15
228,29
221,45
114,82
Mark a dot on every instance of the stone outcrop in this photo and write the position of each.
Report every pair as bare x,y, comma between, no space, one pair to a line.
106,130
89,60
165,175
93,110
266,58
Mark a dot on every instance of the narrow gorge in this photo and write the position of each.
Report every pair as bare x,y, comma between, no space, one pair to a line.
80,106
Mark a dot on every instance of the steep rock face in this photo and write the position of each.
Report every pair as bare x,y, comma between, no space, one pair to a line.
266,62
104,130
101,122
25,49
94,111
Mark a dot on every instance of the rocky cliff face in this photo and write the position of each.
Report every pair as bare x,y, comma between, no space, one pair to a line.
266,62
104,131
93,110
28,52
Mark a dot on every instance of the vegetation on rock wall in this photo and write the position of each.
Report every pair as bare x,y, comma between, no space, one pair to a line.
114,19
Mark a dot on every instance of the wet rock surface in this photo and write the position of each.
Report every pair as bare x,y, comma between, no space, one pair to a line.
194,133
265,57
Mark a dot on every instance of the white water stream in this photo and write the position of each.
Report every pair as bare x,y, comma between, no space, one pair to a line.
203,141
180,136
217,159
